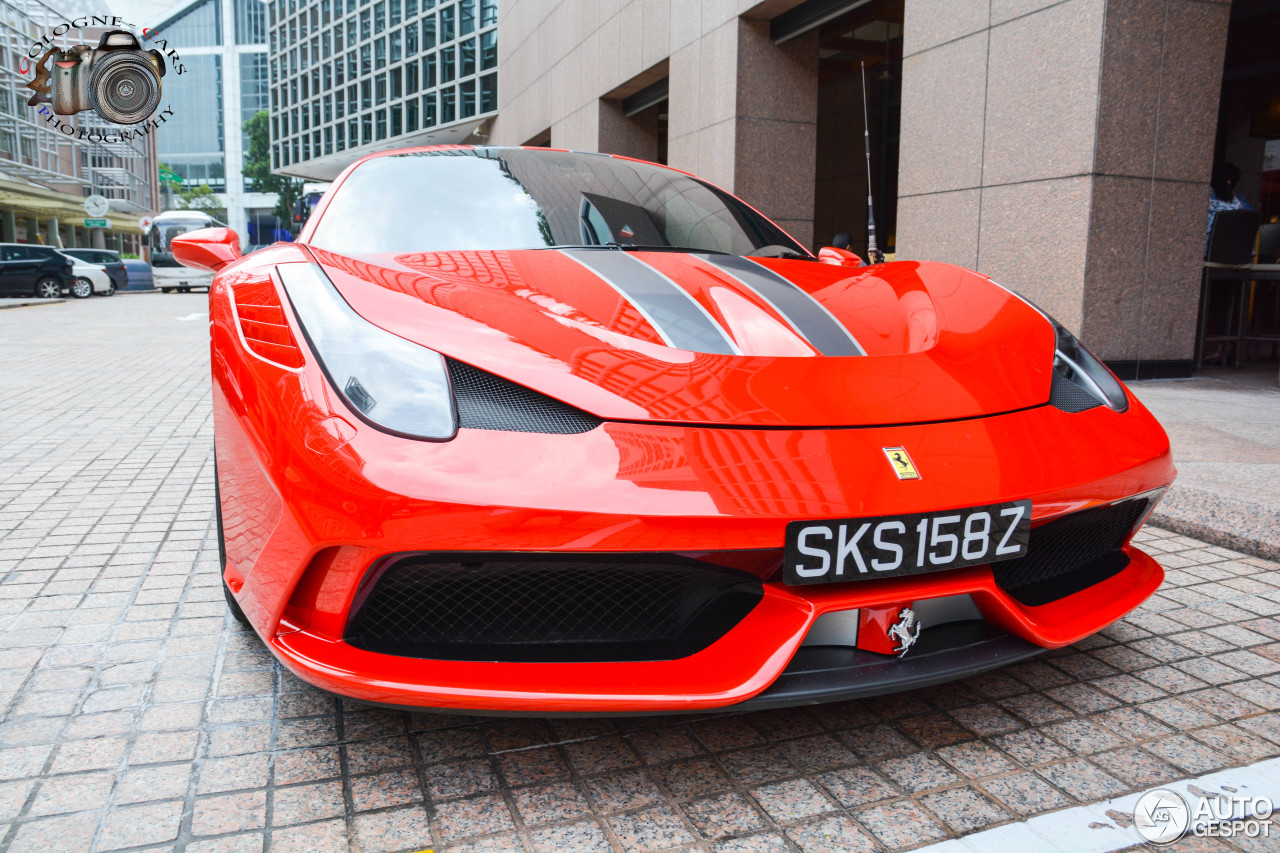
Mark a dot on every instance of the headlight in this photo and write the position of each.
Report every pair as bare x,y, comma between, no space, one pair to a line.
392,383
1075,364
1080,380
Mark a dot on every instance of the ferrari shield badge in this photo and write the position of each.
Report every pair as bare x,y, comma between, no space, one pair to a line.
905,631
902,464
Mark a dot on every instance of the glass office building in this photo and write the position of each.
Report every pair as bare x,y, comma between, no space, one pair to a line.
223,44
353,76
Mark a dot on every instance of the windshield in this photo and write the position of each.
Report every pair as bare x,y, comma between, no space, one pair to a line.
511,198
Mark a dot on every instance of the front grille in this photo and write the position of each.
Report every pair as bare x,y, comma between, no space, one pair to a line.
548,608
486,401
1071,553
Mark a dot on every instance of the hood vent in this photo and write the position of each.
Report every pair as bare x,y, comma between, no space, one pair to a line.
486,401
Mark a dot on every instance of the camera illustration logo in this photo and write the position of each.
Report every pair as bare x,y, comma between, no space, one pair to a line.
1161,816
118,80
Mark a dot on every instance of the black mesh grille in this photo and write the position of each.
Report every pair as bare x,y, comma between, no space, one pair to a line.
1070,397
486,401
611,608
1071,553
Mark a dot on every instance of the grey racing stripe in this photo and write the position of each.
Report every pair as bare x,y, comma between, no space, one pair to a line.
805,314
677,316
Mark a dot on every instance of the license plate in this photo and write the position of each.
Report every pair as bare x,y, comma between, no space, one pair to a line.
850,549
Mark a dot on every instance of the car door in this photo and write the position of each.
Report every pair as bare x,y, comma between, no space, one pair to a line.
18,277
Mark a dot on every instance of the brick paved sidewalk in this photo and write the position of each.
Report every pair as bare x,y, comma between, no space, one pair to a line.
134,713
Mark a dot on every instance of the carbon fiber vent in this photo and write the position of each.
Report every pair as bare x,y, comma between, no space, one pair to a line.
1071,553
1070,397
522,608
486,401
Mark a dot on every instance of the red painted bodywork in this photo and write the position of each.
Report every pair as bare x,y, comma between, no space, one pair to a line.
700,454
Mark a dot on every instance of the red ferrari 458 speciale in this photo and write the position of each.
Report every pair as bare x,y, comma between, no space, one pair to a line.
520,430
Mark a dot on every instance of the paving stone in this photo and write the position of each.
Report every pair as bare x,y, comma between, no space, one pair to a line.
964,809
837,834
396,829
136,826
901,823
305,803
793,800
554,803
651,829
726,814
623,791
918,772
586,836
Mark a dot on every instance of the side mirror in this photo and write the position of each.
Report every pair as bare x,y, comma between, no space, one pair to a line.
207,249
839,257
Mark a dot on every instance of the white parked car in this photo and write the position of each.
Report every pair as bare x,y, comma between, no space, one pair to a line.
89,278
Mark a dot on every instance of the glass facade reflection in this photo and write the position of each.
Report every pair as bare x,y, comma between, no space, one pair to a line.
223,44
192,143
346,74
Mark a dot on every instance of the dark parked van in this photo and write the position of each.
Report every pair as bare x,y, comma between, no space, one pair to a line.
33,270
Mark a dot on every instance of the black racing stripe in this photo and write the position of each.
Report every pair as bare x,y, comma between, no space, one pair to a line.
805,314
677,316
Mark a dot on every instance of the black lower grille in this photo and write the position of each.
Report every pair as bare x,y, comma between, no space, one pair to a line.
549,608
486,401
1071,553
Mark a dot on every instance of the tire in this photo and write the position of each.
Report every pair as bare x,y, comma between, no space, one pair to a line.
165,289
111,290
48,288
232,604
82,288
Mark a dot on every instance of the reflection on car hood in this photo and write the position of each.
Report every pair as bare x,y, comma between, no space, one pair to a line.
713,339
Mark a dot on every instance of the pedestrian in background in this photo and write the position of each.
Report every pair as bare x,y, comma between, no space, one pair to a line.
1223,196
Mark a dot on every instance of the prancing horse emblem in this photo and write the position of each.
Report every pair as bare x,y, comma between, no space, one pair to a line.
901,631
902,464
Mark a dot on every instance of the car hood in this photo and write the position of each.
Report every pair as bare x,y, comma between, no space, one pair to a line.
606,331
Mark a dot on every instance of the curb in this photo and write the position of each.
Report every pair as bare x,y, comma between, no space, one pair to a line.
27,303
1244,526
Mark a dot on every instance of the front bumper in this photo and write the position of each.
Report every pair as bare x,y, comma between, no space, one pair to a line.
755,665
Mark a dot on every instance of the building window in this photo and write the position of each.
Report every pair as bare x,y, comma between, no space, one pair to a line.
251,21
467,58
467,91
448,105
200,25
446,65
418,64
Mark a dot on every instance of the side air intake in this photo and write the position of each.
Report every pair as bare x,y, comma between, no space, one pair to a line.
263,323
